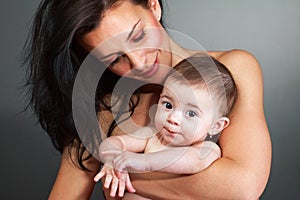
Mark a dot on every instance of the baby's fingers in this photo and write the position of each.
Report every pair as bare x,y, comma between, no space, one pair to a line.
108,180
99,176
114,186
122,180
118,173
111,152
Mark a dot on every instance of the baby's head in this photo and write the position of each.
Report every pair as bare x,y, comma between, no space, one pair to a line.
197,96
202,71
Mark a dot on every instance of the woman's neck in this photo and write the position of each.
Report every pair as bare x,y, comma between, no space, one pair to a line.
180,53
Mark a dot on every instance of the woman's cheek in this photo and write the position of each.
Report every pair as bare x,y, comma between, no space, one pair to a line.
121,68
155,38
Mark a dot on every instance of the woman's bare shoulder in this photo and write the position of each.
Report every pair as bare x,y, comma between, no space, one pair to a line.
242,64
236,58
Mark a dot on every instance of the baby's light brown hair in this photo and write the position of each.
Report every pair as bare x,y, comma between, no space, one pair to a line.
205,72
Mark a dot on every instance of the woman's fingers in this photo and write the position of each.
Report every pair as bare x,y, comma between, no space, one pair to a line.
129,185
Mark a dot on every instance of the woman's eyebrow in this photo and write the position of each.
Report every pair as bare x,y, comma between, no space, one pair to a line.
132,30
107,56
128,37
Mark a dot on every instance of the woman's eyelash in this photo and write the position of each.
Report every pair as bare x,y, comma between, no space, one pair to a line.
115,61
140,37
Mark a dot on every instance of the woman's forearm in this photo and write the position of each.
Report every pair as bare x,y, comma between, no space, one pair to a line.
72,182
241,173
223,180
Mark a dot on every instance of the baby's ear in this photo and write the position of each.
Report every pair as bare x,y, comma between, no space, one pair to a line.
219,125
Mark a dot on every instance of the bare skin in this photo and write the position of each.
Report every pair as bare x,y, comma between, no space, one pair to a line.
244,143
235,174
243,170
72,182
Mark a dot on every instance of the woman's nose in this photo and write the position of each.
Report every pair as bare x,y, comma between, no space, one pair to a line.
137,59
175,118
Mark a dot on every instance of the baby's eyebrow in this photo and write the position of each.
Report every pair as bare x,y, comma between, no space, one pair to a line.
166,97
195,106
132,30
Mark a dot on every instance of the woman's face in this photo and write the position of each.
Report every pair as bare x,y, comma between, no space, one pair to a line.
131,41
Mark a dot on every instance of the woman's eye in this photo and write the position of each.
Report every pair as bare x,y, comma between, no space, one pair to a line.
139,37
191,113
167,105
115,61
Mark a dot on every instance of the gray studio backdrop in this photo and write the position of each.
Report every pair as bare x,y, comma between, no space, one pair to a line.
270,29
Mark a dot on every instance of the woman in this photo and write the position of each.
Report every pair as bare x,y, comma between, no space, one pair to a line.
63,34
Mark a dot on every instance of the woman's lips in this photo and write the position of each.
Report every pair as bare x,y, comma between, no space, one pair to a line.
153,69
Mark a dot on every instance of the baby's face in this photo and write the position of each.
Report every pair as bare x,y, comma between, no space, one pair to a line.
184,114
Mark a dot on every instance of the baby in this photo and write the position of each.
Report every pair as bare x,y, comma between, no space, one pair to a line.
197,96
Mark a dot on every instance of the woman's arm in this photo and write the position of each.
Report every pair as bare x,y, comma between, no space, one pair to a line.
72,182
243,170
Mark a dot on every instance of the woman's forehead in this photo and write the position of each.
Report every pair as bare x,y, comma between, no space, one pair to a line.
116,21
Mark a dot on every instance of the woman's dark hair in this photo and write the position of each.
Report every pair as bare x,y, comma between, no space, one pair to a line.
52,56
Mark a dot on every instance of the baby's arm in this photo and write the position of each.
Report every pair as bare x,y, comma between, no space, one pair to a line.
178,160
135,142
189,160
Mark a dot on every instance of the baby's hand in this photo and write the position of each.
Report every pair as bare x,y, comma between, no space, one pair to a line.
115,180
207,148
124,182
129,161
111,180
108,171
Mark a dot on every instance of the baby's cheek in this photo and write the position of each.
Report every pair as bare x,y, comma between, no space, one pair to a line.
160,119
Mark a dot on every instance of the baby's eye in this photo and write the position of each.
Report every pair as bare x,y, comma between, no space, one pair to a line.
191,113
167,105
